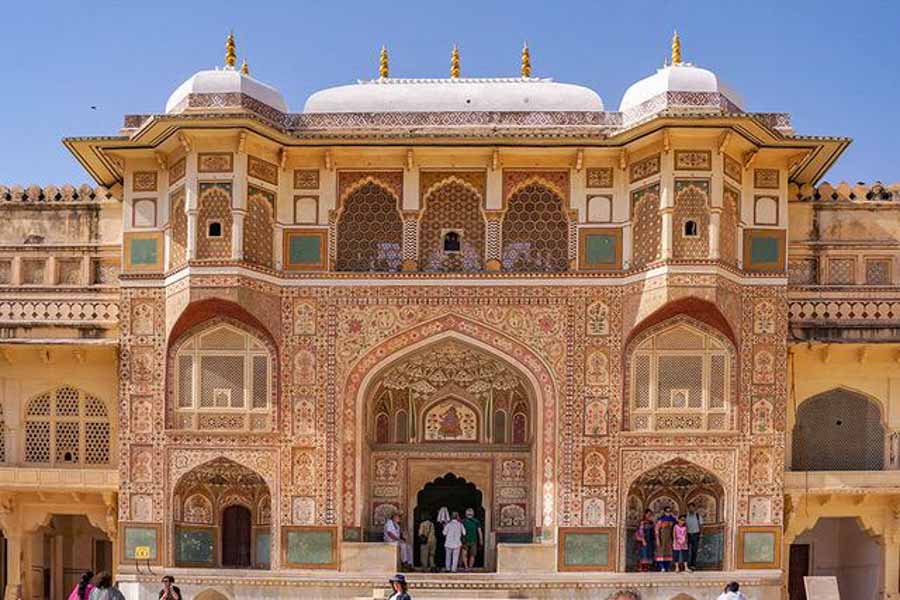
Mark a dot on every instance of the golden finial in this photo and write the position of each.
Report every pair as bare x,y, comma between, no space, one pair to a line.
230,54
454,63
245,68
526,61
383,63
676,49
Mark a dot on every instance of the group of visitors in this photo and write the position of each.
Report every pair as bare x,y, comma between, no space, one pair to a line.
669,543
96,587
461,540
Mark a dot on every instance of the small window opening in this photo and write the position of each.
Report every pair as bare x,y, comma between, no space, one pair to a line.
67,457
452,241
690,229
214,229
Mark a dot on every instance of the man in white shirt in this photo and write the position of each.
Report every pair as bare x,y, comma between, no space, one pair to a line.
453,535
392,535
732,592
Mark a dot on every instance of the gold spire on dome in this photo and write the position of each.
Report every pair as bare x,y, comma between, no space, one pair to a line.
454,63
676,49
526,61
230,53
245,68
383,63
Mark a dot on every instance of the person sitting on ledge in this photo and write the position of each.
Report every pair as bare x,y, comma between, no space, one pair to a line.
393,535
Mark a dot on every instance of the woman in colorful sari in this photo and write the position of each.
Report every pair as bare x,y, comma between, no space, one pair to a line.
664,537
646,541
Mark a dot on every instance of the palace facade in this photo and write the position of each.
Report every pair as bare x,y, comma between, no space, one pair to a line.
264,332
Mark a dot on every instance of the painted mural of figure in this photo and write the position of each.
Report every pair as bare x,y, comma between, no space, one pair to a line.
664,538
450,426
646,539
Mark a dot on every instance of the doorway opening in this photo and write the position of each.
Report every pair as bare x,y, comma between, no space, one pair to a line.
456,495
236,536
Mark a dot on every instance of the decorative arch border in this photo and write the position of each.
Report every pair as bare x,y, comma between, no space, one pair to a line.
882,409
264,463
721,463
351,187
640,334
256,330
424,334
511,187
450,179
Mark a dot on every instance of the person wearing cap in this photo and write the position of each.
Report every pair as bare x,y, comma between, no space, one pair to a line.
393,535
474,538
398,587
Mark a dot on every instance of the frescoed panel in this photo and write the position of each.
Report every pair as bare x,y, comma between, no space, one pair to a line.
759,548
262,170
310,547
141,542
693,160
195,546
263,547
306,179
600,177
600,249
764,250
586,549
215,162
143,251
305,249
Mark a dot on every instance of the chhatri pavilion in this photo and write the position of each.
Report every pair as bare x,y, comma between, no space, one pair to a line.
262,333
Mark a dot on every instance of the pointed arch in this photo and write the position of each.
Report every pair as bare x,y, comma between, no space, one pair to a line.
535,227
66,427
369,227
454,207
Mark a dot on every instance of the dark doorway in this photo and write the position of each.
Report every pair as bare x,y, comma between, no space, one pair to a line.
456,495
797,570
236,537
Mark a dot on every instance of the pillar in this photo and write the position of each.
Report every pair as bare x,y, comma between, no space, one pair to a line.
891,553
667,203
237,234
715,220
191,192
239,204
10,521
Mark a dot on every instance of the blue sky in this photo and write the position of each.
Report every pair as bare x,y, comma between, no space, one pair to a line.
833,65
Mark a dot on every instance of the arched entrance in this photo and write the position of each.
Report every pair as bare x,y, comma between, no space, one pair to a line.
452,405
677,484
222,517
456,495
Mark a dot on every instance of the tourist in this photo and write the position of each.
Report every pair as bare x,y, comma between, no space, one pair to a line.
680,545
427,543
398,588
694,522
169,591
732,592
83,590
393,535
474,538
646,539
663,535
453,535
104,589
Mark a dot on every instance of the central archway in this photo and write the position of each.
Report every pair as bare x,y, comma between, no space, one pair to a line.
677,484
455,494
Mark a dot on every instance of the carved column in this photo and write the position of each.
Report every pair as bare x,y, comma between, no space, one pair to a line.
12,530
238,205
493,242
715,220
237,234
410,243
891,549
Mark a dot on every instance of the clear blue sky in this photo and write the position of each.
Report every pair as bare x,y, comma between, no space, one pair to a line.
833,65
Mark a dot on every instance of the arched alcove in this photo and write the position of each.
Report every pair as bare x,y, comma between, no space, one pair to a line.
838,430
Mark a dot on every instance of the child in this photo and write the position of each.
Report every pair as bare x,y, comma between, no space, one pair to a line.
680,545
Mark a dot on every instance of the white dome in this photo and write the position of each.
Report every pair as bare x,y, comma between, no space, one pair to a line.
681,77
445,95
225,81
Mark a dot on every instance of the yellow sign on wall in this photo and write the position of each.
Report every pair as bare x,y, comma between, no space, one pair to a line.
142,552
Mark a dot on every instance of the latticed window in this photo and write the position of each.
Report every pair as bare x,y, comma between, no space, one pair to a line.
369,232
67,426
223,381
535,231
681,381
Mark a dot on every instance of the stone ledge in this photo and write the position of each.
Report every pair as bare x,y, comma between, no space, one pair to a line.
50,479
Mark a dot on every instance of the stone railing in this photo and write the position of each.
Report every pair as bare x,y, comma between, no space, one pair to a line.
859,192
56,310
53,193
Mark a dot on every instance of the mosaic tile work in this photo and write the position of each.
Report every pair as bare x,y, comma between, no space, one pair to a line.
259,227
535,231
690,222
369,230
646,226
452,207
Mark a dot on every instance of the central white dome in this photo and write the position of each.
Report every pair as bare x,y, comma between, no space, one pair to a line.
510,94
225,81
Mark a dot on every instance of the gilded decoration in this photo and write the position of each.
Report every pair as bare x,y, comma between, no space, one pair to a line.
733,169
599,177
693,160
262,170
144,181
766,178
306,179
215,162
644,168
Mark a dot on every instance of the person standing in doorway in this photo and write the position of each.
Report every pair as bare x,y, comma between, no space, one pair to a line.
665,526
646,539
84,588
454,531
427,543
474,537
393,535
694,522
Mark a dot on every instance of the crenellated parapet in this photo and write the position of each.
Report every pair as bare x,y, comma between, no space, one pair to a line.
55,193
843,191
